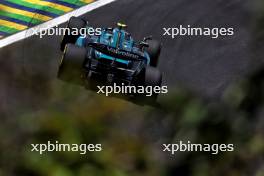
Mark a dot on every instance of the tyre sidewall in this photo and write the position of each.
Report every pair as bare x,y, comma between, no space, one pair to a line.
71,68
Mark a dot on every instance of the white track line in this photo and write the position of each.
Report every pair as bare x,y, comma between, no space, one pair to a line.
54,22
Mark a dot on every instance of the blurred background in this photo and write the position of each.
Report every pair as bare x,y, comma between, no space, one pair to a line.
203,106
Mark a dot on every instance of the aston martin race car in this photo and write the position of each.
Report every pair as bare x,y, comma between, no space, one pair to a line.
112,57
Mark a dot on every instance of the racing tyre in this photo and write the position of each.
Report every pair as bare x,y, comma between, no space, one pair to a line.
71,66
73,23
154,51
153,78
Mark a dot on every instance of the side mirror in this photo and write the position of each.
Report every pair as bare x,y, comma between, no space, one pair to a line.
143,44
147,38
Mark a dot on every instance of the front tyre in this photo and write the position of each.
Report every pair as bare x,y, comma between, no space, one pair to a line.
71,68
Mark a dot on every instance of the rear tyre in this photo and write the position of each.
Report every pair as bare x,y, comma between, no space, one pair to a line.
71,66
154,50
73,23
151,77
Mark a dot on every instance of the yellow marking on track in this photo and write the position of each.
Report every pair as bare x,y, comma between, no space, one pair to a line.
50,4
12,25
25,13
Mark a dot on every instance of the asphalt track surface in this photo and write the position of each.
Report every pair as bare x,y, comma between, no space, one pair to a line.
203,65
